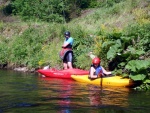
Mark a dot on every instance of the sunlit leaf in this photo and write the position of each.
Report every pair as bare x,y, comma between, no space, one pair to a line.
113,51
107,44
122,64
131,66
147,81
126,39
139,52
137,65
137,77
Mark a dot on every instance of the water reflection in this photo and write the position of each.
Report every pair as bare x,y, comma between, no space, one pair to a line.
95,95
29,93
69,94
100,97
62,92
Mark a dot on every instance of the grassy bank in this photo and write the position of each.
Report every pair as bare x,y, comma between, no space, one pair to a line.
44,40
119,35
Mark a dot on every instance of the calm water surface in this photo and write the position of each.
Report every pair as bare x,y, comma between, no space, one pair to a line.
30,93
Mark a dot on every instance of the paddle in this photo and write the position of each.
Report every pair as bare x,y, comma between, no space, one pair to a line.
101,79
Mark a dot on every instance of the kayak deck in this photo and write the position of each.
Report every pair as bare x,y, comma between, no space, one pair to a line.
105,81
53,73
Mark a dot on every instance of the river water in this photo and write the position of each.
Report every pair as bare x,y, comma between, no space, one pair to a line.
30,93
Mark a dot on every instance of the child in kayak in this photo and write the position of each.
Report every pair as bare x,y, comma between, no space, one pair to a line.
96,70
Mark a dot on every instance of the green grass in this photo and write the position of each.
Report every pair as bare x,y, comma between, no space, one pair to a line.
44,42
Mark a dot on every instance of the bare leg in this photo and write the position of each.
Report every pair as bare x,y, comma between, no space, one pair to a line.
70,65
65,65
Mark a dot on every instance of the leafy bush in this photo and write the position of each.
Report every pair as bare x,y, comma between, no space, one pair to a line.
82,46
138,69
3,53
25,47
125,50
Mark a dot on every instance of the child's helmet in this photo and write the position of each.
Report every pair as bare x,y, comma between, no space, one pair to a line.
96,60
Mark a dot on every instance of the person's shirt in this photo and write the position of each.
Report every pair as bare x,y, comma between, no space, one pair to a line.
68,42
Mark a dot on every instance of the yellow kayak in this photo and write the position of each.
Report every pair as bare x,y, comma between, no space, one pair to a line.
105,81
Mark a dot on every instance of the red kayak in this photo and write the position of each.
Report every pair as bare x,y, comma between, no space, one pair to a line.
62,73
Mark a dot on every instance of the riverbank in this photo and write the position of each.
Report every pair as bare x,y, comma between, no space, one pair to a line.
20,69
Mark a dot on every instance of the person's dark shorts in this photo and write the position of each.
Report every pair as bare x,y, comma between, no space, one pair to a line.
68,57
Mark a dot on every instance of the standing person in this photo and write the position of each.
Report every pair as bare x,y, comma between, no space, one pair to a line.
96,70
66,53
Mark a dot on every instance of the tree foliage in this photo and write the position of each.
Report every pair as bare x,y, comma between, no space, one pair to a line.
49,10
55,10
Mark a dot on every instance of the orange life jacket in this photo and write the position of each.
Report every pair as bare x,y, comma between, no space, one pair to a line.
64,51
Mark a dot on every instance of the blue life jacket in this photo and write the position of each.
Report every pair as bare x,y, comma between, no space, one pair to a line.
98,70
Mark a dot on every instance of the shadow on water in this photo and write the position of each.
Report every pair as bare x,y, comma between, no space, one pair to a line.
30,93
